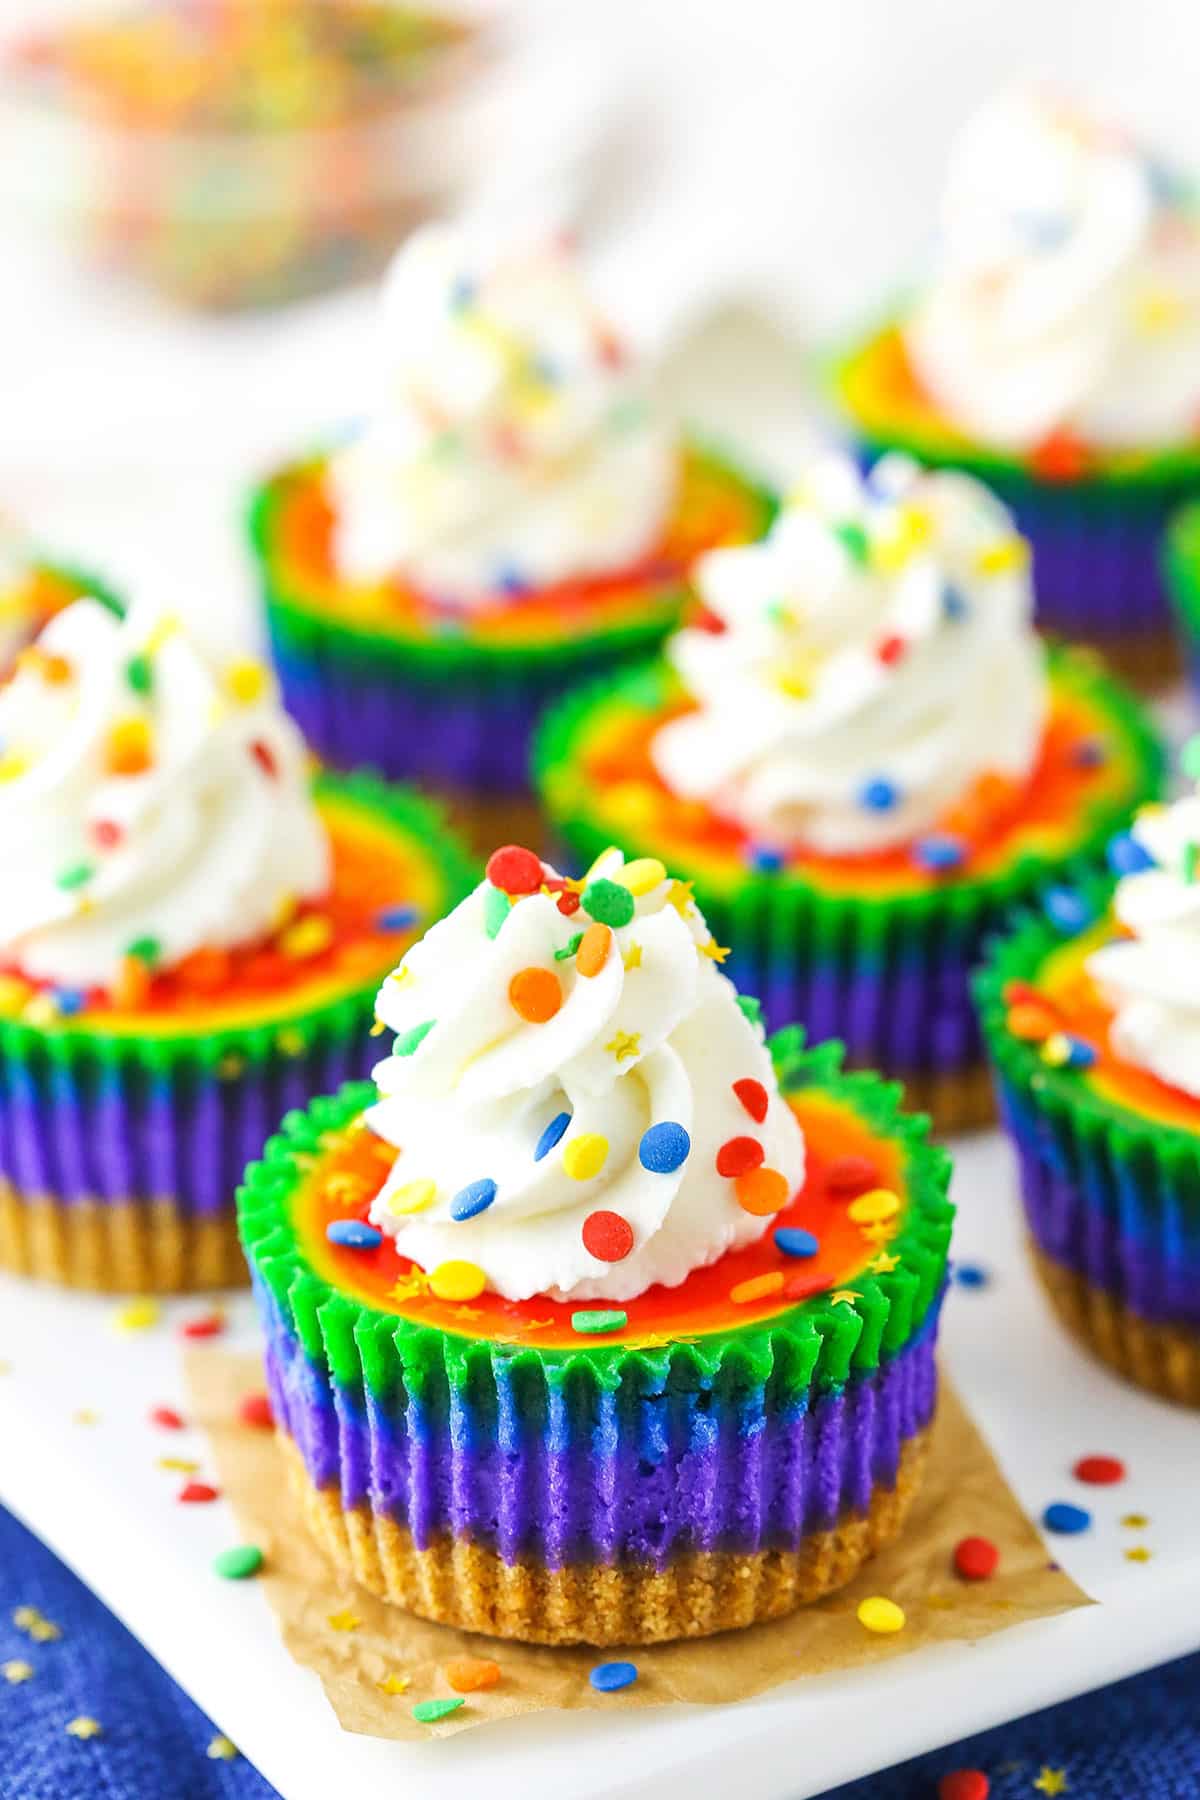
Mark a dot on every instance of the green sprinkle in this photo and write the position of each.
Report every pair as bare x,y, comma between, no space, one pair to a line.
139,674
1189,758
854,539
239,1563
609,903
496,908
408,1041
751,1007
77,876
1191,856
428,1712
626,415
146,950
569,948
592,1322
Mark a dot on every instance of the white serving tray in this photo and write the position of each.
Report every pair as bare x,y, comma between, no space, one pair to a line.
95,1493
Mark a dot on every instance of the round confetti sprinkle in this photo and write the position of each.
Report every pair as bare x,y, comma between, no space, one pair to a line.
585,1155
128,749
849,1175
496,908
607,1236
753,1096
197,1493
976,1558
239,1563
473,1199
255,1409
413,1197
643,875
737,1156
762,1192
880,1615
568,903
964,1784
611,1677
551,1135
873,1207
1126,856
514,870
1067,910
664,1147
457,1280
353,1234
592,1321
758,1287
609,903
167,1417
428,1712
1068,1520
470,1674
594,947
792,1240
879,794
889,650
535,995
1099,1471
408,1041
971,1275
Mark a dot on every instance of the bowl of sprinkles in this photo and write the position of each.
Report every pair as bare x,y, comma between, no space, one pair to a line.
192,933
1089,1010
629,1309
863,758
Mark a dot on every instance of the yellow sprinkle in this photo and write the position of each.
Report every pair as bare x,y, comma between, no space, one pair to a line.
138,1315
1135,1521
909,528
612,850
883,1264
401,975
14,994
12,764
632,804
246,681
394,1684
221,1748
24,1616
83,1727
870,1208
883,1233
345,1620
1051,1781
1138,1554
457,1281
642,875
631,956
880,1615
843,1297
16,1671
166,627
1157,309
1005,555
41,1011
178,1465
585,1156
378,1028
715,952
413,1197
44,1631
624,1044
307,937
85,1416
680,897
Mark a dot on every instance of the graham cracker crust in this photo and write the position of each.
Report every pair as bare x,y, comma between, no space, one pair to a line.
457,1583
1165,1359
118,1247
957,1100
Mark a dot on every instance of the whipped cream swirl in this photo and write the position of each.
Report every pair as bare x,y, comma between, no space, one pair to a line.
1066,294
547,1121
513,446
874,656
145,799
1152,978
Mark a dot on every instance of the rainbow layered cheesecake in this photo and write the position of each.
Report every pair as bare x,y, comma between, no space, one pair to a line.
192,932
1091,1009
33,589
1054,350
599,1316
514,514
863,757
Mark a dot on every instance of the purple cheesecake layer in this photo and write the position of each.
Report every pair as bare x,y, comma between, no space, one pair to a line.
567,1475
119,1130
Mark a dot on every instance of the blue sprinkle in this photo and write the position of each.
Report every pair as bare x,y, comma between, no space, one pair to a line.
955,604
879,794
664,1148
69,1000
396,918
1080,1054
1066,909
462,293
610,1678
473,1199
1061,1516
354,1234
761,856
1127,857
970,1275
551,1135
940,850
1045,231
1090,754
792,1241
509,580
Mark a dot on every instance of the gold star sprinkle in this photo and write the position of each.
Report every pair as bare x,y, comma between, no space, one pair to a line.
1138,1554
413,1286
221,1748
714,951
138,1315
83,1727
631,956
625,1043
883,1264
843,1297
345,1620
24,1616
16,1671
679,895
881,1232
1135,1521
402,975
467,1312
178,1465
393,1684
44,1631
1051,1781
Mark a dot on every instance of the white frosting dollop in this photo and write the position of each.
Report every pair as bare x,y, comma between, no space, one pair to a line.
1066,293
655,1036
876,657
512,446
144,796
1152,979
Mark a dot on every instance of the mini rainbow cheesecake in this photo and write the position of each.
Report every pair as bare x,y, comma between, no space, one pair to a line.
32,590
1055,352
863,757
515,515
600,1317
1091,1010
191,936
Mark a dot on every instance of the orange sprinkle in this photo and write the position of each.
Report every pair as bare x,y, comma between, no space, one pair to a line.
757,1288
762,1191
1031,1022
132,984
56,670
593,950
468,1674
129,750
535,995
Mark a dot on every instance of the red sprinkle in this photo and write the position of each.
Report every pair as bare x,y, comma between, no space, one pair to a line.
976,1558
106,833
255,1409
608,1236
753,1096
167,1417
1099,1471
847,1176
890,649
1019,993
205,1326
515,870
705,620
964,1784
1059,457
197,1493
799,1287
264,756
737,1156
568,903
